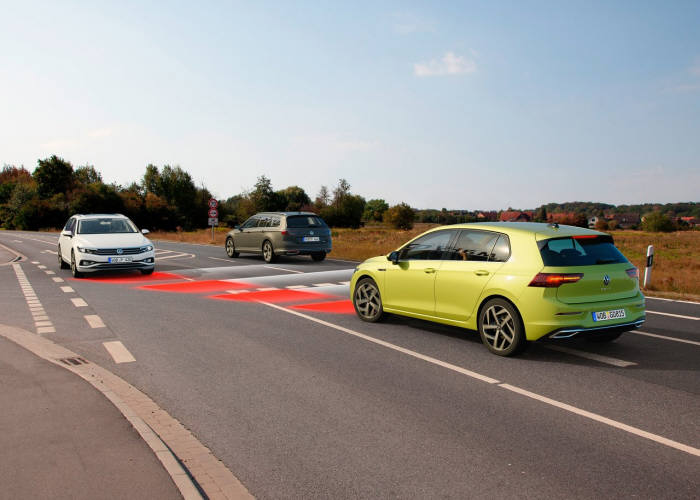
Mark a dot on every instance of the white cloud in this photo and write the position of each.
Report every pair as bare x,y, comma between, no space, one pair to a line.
449,64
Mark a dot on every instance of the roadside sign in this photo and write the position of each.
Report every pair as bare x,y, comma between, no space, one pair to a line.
213,221
213,212
213,203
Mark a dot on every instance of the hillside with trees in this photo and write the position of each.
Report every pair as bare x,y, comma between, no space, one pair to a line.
166,198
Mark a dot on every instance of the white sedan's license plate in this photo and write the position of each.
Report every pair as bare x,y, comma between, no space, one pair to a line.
311,238
608,315
119,260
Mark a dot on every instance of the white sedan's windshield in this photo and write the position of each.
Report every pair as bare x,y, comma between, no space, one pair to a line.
106,226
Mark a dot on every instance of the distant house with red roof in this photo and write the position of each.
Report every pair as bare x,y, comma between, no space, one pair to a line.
487,216
516,216
691,221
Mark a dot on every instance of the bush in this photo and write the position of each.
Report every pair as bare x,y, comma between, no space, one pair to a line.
656,222
400,216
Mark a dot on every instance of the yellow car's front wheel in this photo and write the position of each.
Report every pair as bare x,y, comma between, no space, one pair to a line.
368,301
501,328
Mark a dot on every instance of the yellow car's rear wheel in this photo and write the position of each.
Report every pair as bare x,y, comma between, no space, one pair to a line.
501,328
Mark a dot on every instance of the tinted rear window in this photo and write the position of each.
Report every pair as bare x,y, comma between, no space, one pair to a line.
580,251
305,221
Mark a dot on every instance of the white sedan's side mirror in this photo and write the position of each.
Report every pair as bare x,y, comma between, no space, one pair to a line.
145,231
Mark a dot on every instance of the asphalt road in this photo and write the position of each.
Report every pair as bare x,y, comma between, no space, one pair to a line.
268,366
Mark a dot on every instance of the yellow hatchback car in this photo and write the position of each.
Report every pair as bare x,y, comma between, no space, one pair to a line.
512,282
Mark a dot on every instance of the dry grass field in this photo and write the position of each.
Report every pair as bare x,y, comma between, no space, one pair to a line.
676,271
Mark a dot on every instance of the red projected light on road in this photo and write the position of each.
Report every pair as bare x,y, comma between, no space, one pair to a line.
197,286
132,278
335,307
273,296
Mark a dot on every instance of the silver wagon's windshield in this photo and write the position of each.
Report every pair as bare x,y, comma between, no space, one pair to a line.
586,250
106,225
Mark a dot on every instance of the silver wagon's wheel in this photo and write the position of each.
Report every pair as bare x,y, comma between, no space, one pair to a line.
368,301
268,252
231,248
501,329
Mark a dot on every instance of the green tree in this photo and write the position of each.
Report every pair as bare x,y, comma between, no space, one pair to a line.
292,198
541,214
87,175
323,198
53,175
374,210
262,195
658,222
400,216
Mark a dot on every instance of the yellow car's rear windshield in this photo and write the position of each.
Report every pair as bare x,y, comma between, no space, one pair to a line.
582,250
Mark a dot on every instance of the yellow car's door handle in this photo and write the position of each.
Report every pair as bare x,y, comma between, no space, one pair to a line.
481,272
429,270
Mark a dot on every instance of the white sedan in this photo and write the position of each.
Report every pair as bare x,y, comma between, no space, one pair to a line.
100,242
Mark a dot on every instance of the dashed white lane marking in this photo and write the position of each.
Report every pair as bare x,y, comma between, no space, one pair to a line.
177,255
283,269
67,289
593,416
42,323
40,318
35,262
119,353
346,283
17,241
673,300
292,287
46,329
325,284
52,243
58,280
234,292
589,355
94,321
694,318
41,267
78,302
267,289
48,251
49,272
674,339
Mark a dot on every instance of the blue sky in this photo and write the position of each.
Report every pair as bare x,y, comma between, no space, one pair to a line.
474,105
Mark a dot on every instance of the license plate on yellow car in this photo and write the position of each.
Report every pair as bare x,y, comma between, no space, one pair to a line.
608,315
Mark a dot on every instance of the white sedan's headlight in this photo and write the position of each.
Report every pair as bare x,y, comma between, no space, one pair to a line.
147,248
87,250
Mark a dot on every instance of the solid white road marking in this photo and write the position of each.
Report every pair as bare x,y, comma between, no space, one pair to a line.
345,283
119,353
225,260
604,420
67,289
94,321
593,416
673,300
288,270
674,339
52,243
268,289
58,280
78,302
292,287
234,292
394,347
589,355
178,255
673,315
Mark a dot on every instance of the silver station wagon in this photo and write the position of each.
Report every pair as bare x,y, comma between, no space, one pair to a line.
281,233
